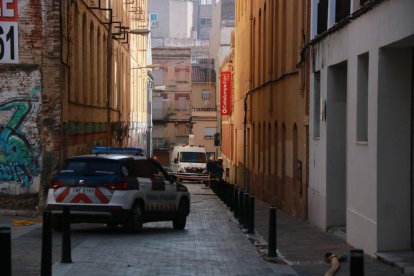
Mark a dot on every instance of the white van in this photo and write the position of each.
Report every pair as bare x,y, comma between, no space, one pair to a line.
189,163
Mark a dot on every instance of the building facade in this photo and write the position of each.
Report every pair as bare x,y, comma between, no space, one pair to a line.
270,102
222,51
171,111
180,30
204,111
66,85
361,122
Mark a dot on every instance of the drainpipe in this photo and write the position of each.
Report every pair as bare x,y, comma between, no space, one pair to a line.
244,144
109,77
246,183
412,154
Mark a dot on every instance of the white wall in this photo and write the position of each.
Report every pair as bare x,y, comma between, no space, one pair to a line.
377,172
181,19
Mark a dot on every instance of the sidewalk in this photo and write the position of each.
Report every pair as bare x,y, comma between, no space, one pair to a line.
303,246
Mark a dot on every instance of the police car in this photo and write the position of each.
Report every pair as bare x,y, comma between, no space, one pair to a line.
117,186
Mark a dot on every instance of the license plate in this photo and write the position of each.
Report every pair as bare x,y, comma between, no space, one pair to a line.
83,190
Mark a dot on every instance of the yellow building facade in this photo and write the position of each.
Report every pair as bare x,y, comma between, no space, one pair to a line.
106,101
269,123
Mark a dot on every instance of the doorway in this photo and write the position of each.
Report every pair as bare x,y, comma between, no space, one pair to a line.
336,121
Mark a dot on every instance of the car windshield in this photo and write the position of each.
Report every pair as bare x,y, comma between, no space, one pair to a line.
91,167
193,157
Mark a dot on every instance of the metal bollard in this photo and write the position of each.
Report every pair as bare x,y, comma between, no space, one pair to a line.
46,261
241,216
66,244
250,227
246,212
271,251
5,251
236,202
356,264
231,197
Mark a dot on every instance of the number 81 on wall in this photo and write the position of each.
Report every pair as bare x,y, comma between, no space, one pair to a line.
8,32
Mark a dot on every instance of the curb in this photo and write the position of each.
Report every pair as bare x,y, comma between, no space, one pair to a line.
404,268
23,213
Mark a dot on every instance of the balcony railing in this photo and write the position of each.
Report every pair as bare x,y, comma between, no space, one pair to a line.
160,143
206,109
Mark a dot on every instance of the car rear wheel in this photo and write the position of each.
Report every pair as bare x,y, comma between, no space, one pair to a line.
181,219
135,221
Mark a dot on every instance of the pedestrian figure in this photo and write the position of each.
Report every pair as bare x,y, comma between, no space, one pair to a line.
212,169
220,169
335,263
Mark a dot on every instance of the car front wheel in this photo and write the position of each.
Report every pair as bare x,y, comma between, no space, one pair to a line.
181,219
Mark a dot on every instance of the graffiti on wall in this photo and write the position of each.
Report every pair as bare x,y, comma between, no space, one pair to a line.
18,154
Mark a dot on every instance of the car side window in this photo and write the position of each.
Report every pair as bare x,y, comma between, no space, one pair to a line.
159,170
129,169
154,170
142,169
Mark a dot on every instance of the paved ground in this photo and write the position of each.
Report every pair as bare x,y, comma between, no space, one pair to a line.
211,244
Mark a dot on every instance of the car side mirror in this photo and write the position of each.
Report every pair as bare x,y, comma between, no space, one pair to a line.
176,160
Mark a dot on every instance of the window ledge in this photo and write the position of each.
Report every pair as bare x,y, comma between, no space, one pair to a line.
362,143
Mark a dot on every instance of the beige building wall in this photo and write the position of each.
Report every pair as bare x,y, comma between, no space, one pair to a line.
95,114
171,105
267,80
204,115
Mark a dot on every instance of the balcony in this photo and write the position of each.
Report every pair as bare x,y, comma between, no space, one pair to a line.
204,112
160,143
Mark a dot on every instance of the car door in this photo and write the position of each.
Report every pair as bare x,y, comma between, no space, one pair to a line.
168,195
151,185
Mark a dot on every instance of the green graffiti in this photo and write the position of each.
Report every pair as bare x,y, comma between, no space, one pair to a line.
18,162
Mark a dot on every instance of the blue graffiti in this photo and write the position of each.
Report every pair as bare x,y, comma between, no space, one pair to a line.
18,162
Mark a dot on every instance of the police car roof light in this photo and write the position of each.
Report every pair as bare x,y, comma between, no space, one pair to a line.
108,150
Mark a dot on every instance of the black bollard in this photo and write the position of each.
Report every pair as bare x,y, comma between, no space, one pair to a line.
231,197
246,210
66,244
250,227
272,232
356,264
46,262
5,251
241,206
236,202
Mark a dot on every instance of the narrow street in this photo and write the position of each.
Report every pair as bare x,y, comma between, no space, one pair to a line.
211,244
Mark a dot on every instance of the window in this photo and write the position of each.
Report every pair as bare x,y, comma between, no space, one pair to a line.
316,104
195,58
206,2
362,98
205,22
205,94
322,16
182,74
154,19
158,76
182,130
209,132
342,9
182,102
193,157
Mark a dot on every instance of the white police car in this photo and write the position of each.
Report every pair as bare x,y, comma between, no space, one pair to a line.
117,186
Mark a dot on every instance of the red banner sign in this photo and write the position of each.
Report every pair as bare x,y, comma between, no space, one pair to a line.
225,93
